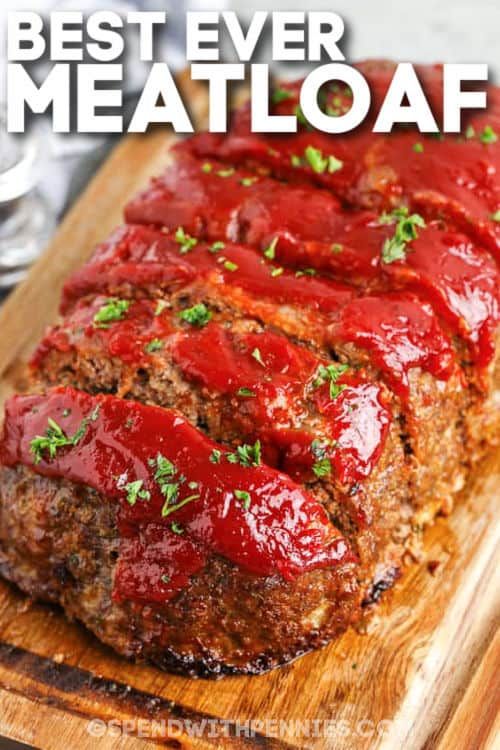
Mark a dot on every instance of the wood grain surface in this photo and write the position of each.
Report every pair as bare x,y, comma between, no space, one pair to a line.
424,675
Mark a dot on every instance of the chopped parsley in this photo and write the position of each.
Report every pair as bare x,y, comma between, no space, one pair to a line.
305,272
165,578
322,468
488,135
301,116
246,455
55,438
114,309
185,241
295,160
394,248
336,248
330,374
215,456
206,167
169,486
230,266
258,356
270,250
418,148
244,496
198,315
280,95
248,181
160,307
216,246
135,490
155,345
320,163
245,392
177,528
225,172
277,271
496,216
168,508
470,132
164,474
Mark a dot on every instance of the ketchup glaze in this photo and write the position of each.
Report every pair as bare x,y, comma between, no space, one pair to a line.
305,227
254,516
271,389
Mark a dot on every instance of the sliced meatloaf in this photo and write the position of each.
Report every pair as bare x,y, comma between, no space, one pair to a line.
238,573
440,175
395,335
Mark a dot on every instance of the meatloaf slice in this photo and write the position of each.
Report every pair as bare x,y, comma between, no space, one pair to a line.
399,338
440,175
120,513
375,252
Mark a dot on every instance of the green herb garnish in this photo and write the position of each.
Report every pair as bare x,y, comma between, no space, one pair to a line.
248,181
198,315
216,246
418,148
114,309
185,241
215,456
161,306
230,266
495,216
305,272
330,374
395,247
155,345
136,491
246,455
270,250
245,392
168,508
244,496
225,172
488,135
258,357
177,528
320,163
55,438
322,468
280,95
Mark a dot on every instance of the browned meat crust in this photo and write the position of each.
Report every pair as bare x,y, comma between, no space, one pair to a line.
59,543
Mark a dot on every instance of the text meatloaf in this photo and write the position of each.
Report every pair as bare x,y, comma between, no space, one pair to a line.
261,389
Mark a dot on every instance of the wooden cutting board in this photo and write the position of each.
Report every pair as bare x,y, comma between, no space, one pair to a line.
425,675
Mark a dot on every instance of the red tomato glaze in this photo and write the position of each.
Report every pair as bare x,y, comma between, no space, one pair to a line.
305,227
275,529
145,258
400,333
278,376
395,349
448,176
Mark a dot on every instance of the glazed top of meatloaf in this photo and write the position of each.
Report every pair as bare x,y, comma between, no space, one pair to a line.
182,497
446,175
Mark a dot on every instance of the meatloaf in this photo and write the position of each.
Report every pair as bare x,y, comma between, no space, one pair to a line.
261,389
